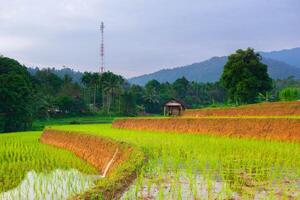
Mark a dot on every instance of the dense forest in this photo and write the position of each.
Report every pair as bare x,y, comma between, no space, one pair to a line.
26,95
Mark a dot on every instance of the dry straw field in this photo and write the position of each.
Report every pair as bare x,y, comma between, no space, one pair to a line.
262,109
275,121
259,128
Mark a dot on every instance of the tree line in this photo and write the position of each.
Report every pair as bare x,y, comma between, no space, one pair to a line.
25,97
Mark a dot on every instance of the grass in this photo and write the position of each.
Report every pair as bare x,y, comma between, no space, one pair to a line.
21,152
93,119
180,165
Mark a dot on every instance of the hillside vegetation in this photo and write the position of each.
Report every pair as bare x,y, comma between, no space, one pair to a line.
211,70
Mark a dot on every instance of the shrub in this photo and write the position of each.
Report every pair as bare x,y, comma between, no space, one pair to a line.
289,94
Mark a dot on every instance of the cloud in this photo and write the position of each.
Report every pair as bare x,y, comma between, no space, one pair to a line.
142,36
15,44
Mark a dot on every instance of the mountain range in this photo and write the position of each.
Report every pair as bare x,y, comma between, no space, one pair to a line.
281,64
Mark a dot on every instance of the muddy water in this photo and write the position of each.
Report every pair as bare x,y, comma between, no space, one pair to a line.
59,184
180,186
184,186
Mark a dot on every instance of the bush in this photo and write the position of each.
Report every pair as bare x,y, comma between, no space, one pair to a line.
70,105
74,122
289,94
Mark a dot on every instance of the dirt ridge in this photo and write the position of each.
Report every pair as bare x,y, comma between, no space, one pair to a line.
261,109
98,152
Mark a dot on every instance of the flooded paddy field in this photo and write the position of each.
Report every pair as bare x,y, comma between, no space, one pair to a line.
58,184
31,170
184,166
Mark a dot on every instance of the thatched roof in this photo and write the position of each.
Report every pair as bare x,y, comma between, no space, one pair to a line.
175,102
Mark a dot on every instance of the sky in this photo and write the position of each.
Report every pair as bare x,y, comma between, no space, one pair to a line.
142,36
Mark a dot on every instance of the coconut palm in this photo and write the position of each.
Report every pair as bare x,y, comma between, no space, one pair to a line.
95,81
86,81
91,82
111,85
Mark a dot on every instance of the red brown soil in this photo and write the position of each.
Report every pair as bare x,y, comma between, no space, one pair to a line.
277,129
95,150
98,152
262,109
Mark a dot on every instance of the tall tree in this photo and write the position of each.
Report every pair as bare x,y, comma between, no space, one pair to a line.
86,80
48,81
245,76
95,81
181,87
111,86
137,92
16,92
151,97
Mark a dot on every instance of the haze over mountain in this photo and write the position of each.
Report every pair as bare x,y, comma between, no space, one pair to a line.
289,56
75,75
279,67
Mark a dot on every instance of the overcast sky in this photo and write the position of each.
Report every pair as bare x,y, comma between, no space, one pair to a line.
142,36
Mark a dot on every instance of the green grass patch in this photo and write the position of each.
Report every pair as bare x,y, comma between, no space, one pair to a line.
93,119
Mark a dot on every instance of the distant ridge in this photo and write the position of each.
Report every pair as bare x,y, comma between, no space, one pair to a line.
211,70
289,56
75,75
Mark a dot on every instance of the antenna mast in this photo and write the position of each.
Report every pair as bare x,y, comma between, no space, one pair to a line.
102,48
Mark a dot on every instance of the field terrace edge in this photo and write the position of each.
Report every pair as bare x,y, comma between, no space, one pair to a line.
98,152
254,128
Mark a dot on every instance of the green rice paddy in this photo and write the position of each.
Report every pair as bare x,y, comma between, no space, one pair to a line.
178,166
208,167
21,153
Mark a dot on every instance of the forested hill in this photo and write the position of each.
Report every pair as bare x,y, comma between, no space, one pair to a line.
282,64
211,70
75,75
289,56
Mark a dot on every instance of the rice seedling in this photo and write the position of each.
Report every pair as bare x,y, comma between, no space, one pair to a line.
218,167
58,184
21,153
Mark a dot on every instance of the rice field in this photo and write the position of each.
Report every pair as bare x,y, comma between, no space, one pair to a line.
26,161
274,109
58,184
183,166
177,166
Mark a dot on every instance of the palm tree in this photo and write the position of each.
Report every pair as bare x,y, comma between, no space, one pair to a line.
86,80
95,81
151,96
111,86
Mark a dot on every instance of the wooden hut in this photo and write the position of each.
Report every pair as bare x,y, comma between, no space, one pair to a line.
174,107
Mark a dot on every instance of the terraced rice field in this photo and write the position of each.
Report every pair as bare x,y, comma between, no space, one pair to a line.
182,166
23,158
286,109
231,156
